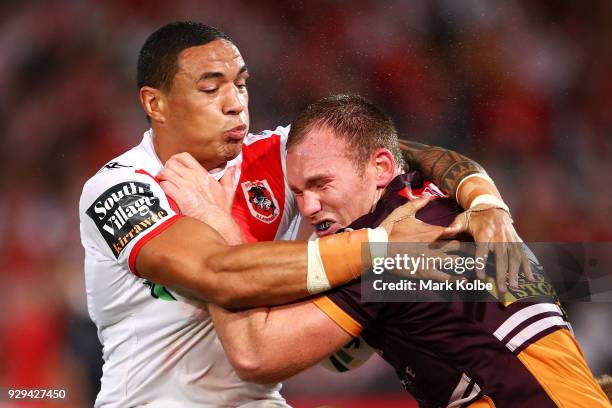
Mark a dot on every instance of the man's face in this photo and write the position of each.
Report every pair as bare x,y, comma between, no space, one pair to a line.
206,110
331,192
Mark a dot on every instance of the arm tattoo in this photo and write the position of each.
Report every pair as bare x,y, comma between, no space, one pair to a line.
444,167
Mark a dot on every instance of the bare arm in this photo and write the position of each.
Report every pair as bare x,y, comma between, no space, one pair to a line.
444,167
194,258
489,221
268,345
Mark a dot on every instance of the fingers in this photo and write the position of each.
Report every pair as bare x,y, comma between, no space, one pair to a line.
227,183
171,175
526,265
446,246
420,202
411,230
177,172
482,252
188,161
184,165
501,267
514,263
407,210
459,225
170,189
460,222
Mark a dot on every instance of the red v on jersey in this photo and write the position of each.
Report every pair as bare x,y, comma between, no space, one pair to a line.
260,195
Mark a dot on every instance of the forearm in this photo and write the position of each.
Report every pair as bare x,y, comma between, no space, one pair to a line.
447,168
262,348
261,274
194,258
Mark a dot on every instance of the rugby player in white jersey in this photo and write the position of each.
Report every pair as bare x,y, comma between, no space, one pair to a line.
148,268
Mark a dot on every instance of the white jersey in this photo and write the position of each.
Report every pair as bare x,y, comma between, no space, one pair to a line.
160,349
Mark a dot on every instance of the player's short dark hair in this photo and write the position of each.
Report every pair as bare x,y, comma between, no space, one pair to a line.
359,122
158,58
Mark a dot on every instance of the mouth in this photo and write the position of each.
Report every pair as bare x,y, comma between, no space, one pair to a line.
238,133
325,227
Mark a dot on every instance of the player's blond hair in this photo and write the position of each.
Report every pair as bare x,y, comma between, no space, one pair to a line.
605,382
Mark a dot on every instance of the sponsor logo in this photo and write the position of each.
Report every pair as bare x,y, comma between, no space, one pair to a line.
260,200
159,292
123,212
113,166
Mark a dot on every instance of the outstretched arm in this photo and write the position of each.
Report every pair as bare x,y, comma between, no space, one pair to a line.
268,345
192,257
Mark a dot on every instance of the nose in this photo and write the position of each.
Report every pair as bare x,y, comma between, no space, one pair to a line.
309,204
234,102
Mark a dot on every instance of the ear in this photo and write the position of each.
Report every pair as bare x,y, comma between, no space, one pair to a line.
385,166
153,102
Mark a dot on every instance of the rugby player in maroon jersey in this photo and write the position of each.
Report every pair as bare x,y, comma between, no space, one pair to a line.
454,354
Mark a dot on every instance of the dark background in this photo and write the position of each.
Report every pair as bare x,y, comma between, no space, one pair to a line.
524,87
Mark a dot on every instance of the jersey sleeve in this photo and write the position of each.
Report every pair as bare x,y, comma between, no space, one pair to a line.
121,210
343,305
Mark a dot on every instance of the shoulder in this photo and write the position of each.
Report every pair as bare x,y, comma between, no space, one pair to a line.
134,166
115,176
121,204
281,132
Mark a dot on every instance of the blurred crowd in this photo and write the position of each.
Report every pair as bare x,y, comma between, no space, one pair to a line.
523,87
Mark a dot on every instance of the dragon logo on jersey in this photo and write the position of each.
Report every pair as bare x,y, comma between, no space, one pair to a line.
261,201
124,211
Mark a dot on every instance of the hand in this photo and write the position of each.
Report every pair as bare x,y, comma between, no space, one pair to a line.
403,227
199,195
488,225
194,189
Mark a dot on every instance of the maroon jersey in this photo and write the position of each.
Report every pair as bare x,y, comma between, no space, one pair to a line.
453,353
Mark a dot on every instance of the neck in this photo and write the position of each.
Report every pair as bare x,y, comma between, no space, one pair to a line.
165,147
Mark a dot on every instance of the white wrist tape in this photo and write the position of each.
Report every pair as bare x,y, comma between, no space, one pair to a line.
379,239
316,278
490,200
477,175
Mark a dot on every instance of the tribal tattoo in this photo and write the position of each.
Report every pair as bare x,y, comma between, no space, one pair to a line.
444,167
